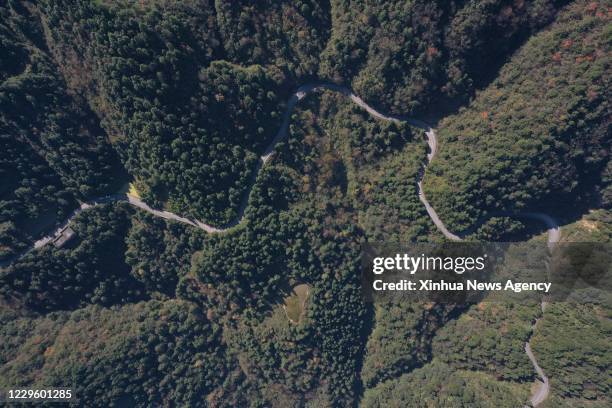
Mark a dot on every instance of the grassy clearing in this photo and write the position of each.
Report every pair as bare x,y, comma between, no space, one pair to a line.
295,304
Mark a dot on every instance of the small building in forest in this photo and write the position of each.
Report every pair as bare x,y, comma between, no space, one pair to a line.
65,235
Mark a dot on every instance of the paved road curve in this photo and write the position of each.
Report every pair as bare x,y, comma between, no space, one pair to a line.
554,233
553,229
297,96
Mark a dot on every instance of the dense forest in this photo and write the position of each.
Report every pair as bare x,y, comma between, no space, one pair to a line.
491,339
154,352
403,55
539,134
571,329
181,98
52,150
188,129
54,278
438,385
289,35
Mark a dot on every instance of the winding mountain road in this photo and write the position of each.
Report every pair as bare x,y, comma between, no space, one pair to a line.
542,387
542,390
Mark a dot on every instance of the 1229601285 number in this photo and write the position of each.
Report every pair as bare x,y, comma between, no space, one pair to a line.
29,394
